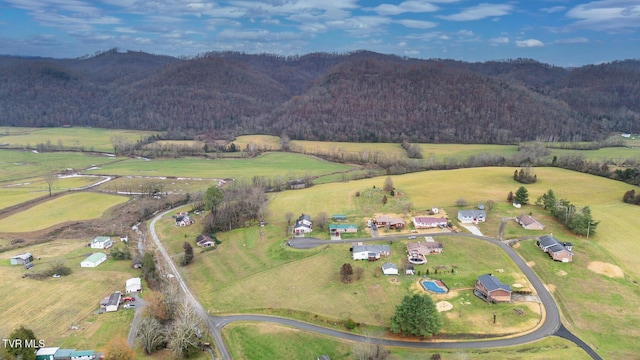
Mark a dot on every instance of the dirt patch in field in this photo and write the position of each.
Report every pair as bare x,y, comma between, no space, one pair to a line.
531,263
561,273
443,306
606,269
516,245
267,328
550,287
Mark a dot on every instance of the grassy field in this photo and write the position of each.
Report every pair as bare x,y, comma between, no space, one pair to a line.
88,139
12,193
51,306
71,207
16,164
269,165
262,142
172,185
255,341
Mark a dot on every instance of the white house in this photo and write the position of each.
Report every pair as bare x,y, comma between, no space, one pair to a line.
101,242
114,302
369,252
389,269
471,216
94,260
133,285
303,225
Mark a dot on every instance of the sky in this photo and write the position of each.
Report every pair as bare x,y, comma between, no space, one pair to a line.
559,32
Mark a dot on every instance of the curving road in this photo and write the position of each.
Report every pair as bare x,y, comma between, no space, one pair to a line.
551,324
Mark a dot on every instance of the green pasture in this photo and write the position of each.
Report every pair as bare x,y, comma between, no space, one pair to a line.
13,193
334,147
71,207
16,164
171,185
51,306
615,154
74,138
255,341
284,165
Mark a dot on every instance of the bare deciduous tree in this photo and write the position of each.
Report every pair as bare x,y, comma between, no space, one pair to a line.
151,334
370,349
186,331
388,185
321,220
50,178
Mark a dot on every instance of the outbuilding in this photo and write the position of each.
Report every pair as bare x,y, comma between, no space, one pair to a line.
389,269
22,259
46,353
94,260
133,285
114,302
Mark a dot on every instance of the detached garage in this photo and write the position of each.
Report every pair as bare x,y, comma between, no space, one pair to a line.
94,260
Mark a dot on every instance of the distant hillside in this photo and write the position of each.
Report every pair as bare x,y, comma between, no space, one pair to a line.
360,96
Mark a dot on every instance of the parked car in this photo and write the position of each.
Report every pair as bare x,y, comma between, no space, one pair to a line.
128,298
412,237
129,306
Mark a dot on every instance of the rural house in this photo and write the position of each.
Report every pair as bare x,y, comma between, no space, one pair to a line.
204,241
22,259
182,219
94,260
471,216
101,242
423,222
133,285
424,248
297,184
111,302
558,251
303,225
528,222
389,221
389,269
369,252
489,288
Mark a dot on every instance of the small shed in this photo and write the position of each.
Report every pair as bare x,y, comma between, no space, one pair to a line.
83,355
389,269
22,259
94,260
133,285
63,354
339,217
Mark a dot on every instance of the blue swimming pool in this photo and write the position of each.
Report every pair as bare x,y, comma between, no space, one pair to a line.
435,286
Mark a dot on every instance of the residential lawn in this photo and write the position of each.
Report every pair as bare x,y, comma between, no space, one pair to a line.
285,165
259,341
51,306
71,207
17,192
15,164
75,138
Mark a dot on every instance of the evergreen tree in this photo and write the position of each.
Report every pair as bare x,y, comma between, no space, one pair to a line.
522,196
346,272
188,254
416,315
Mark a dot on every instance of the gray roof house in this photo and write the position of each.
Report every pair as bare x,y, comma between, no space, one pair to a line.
489,288
471,216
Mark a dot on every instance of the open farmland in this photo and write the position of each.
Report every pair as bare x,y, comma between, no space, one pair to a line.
12,193
16,164
262,142
71,207
52,306
75,138
284,165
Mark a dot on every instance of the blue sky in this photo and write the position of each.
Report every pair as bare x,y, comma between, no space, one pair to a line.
560,32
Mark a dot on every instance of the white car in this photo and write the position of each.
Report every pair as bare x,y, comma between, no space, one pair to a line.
55,276
129,306
412,237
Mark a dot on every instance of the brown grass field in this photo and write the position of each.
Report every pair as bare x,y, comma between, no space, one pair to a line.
51,306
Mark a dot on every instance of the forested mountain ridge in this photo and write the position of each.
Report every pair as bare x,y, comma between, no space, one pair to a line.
360,96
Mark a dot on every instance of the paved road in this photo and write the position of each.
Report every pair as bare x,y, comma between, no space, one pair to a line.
551,324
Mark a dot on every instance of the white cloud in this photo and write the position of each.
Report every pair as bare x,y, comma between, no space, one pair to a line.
410,6
417,24
578,40
607,15
499,40
481,11
553,9
529,43
402,44
465,32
